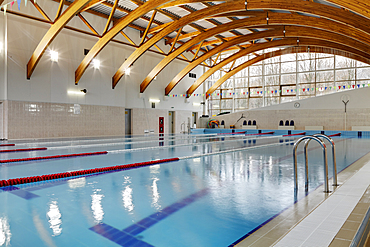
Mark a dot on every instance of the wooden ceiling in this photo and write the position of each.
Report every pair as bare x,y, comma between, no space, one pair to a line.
209,28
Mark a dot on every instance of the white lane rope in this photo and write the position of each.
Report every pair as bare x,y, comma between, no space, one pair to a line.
138,142
235,150
97,141
189,144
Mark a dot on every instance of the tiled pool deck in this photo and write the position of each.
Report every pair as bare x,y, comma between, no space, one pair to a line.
322,219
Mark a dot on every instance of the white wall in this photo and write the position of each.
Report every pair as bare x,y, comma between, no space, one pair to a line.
2,58
326,111
359,98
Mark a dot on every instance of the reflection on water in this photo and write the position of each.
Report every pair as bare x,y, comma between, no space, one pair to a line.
55,216
77,183
5,234
96,206
127,195
156,196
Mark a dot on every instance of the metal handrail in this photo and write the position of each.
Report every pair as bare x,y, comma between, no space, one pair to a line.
335,180
326,184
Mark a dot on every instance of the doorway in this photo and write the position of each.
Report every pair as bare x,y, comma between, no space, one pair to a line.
194,117
2,137
171,116
127,121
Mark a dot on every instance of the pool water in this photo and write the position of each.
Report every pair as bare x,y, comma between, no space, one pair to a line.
203,200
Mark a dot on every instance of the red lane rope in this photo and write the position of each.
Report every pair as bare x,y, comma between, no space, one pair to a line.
243,132
22,150
6,145
298,134
337,134
52,157
25,180
267,133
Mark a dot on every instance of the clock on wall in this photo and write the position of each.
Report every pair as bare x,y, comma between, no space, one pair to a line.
297,105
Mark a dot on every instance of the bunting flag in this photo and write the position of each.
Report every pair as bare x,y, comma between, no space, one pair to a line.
5,9
271,92
25,3
11,5
19,4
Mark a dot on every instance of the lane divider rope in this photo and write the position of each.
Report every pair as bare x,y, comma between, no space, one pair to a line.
52,157
189,144
7,145
267,133
26,180
22,150
235,133
298,134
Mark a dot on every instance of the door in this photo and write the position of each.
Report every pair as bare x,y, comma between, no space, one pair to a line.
194,117
171,117
127,121
161,125
1,121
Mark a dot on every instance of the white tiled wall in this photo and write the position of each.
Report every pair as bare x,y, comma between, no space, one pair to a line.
46,120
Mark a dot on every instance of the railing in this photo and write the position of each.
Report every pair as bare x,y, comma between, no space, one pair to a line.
326,184
335,180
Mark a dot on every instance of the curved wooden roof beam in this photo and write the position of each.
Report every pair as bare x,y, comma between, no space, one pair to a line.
160,66
317,9
360,7
53,31
283,18
275,18
313,8
278,53
277,43
119,25
198,15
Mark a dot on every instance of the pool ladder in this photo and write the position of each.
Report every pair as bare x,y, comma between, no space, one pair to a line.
316,138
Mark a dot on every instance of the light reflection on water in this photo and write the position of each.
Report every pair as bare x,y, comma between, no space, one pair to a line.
55,216
127,195
156,195
96,206
5,234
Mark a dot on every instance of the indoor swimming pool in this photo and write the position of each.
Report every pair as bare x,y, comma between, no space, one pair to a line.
222,188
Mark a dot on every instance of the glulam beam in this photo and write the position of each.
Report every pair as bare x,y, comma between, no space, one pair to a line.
68,14
275,18
108,36
198,15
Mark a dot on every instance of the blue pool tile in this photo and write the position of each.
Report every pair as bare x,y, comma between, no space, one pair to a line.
24,194
179,205
134,229
124,239
169,210
10,188
188,200
113,235
147,222
158,216
101,228
134,242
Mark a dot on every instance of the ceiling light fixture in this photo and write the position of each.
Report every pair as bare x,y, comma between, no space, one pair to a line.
128,71
81,92
154,100
54,56
96,63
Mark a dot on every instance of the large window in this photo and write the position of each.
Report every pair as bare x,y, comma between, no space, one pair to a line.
283,79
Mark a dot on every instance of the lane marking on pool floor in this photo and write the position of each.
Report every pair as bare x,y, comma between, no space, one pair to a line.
129,236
